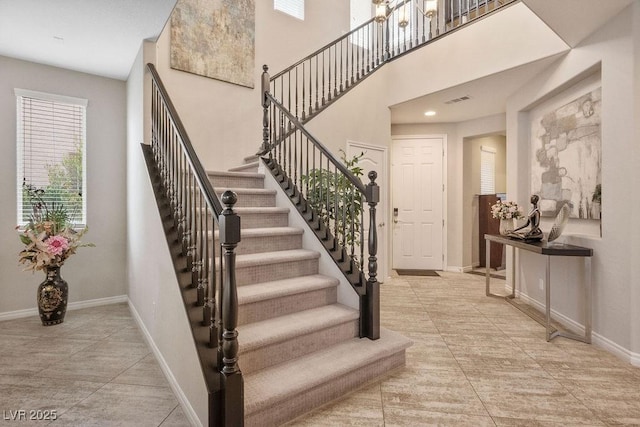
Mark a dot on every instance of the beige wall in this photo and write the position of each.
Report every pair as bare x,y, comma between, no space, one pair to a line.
92,273
224,120
153,289
613,49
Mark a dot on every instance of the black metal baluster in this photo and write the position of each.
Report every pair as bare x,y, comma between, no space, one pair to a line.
319,189
295,158
336,188
324,100
310,88
335,71
317,79
297,92
341,85
353,64
212,302
306,192
303,92
200,246
301,170
330,184
289,80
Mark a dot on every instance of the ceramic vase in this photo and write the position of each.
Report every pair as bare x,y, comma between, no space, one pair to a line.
52,297
507,226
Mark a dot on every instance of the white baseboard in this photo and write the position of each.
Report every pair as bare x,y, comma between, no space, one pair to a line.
596,339
18,314
454,269
188,410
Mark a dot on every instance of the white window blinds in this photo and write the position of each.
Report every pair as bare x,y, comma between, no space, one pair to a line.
294,8
487,170
51,140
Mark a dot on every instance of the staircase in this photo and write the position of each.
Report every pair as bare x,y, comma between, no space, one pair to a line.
299,348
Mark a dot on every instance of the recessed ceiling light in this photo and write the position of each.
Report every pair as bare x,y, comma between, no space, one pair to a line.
430,113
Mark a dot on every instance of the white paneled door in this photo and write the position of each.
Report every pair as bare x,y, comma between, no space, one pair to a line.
417,206
375,159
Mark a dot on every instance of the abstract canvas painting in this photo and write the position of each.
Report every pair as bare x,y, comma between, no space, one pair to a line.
215,38
566,156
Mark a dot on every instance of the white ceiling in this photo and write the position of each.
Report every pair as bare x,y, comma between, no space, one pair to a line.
93,36
487,95
571,20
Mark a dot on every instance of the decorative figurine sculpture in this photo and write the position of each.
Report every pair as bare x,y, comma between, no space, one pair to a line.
533,220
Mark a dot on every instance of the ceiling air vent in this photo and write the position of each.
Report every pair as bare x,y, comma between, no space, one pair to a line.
455,101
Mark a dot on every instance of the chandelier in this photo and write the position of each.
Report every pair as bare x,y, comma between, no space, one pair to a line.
385,7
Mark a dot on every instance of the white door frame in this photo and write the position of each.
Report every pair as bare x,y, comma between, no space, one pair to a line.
381,215
445,156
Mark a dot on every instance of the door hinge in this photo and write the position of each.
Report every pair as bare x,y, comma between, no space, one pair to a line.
443,223
443,188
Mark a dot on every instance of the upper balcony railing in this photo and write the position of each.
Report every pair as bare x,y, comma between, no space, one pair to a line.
309,85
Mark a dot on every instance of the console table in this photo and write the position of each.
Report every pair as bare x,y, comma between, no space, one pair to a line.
547,249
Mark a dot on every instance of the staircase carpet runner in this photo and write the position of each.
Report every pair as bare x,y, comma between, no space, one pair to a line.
299,348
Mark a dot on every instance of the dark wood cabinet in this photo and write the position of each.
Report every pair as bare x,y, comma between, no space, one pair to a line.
488,225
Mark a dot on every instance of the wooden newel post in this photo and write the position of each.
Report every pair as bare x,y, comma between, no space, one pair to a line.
231,376
372,307
265,111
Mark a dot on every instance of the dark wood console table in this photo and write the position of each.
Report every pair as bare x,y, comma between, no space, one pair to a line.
547,249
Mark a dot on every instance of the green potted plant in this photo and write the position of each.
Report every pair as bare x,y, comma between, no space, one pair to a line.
337,202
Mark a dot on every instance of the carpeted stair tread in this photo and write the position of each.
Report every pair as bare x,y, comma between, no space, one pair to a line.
267,388
271,231
259,209
236,174
246,191
282,328
266,258
266,232
279,288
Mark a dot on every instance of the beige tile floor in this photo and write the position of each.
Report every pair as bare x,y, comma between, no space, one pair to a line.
93,370
476,361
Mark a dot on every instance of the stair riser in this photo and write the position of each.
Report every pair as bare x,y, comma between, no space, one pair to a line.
276,353
246,200
294,406
277,271
224,181
253,200
264,220
263,310
254,245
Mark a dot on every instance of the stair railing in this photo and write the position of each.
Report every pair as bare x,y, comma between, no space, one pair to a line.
330,197
311,84
196,210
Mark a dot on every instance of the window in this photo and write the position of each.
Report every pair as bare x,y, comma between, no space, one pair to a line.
51,141
487,170
294,8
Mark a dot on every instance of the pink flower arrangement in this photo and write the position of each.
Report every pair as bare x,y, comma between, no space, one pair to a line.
506,210
49,237
56,245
